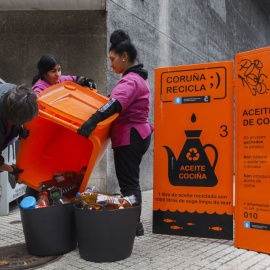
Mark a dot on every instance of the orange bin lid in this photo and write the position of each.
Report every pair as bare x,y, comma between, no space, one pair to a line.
72,101
53,144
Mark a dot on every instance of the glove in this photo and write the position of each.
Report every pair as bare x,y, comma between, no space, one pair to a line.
88,126
23,133
91,84
81,80
14,174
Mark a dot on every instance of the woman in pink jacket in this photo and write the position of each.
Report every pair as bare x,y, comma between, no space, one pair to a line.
131,131
49,73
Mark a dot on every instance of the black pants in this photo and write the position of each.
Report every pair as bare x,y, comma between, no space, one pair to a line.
127,161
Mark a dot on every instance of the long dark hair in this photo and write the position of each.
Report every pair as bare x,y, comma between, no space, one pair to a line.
46,63
121,42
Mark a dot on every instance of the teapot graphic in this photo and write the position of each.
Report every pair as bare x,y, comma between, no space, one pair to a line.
192,168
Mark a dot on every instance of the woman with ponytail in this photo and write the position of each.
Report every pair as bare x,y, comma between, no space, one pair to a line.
49,73
131,131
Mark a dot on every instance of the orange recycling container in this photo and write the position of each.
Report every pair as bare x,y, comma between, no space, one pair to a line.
53,144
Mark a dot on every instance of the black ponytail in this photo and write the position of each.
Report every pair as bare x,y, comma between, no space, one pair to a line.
35,79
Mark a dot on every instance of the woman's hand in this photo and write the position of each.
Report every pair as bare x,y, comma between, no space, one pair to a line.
91,84
14,174
23,133
87,82
88,126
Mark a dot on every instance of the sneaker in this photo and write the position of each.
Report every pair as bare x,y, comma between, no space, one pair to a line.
140,229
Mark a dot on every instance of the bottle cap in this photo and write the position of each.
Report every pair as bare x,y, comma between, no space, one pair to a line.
91,188
56,196
28,202
43,192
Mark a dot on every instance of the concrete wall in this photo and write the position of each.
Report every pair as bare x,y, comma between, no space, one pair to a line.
78,38
183,32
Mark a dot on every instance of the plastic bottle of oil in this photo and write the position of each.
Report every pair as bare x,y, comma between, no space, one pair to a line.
43,200
112,202
133,200
70,183
89,196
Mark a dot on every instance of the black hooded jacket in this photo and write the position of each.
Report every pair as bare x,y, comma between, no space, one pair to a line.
139,70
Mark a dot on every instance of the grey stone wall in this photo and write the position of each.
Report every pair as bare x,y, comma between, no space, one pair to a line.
78,38
183,32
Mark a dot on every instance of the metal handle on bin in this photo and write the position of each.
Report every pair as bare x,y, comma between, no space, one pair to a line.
58,121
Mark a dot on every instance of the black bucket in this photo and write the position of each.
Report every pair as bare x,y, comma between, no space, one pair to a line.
106,235
50,230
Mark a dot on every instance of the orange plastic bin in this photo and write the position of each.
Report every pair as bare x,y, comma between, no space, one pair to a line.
53,144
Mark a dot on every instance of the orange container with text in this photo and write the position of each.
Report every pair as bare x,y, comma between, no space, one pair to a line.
54,144
252,157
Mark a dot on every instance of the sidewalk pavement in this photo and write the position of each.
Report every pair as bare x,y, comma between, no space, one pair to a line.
151,251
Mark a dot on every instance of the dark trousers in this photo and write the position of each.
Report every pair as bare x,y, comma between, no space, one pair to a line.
127,161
